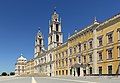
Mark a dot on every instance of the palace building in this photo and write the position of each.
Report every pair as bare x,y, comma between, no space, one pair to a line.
94,50
20,66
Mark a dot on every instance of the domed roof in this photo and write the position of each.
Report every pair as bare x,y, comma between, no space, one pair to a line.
22,58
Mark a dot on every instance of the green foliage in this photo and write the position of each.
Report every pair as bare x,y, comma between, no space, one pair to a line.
4,74
12,73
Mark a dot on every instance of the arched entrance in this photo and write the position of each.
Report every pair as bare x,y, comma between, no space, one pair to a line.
79,69
75,69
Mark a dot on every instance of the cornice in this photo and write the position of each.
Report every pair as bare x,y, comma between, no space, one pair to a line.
109,21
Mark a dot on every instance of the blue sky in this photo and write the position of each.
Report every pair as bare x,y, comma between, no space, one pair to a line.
20,19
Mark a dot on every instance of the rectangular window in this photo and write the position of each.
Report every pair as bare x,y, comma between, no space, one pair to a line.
62,72
90,44
118,35
109,53
62,62
90,57
110,38
118,31
70,51
70,62
110,69
79,47
118,52
100,41
74,49
66,61
85,46
100,70
84,59
100,55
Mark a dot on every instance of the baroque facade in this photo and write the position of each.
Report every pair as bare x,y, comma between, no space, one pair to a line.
93,50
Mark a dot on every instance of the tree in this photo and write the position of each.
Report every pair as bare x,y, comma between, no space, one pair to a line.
12,73
4,74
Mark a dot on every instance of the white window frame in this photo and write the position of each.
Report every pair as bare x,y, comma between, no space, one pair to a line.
118,31
108,54
108,37
118,51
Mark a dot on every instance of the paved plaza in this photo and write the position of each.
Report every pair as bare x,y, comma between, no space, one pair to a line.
59,80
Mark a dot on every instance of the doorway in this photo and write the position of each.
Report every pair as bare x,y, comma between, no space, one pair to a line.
84,72
78,71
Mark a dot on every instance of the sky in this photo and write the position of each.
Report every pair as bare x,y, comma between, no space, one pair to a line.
20,19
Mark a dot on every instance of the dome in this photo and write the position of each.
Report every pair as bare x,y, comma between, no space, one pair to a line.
21,58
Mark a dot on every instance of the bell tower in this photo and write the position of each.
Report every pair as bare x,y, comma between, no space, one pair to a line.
55,37
39,45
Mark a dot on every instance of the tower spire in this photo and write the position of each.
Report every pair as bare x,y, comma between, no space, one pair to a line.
38,29
55,10
39,32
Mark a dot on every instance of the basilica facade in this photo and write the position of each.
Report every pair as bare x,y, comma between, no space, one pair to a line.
44,58
94,50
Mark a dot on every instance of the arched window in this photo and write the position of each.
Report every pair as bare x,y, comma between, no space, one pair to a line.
57,38
51,39
40,41
57,27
